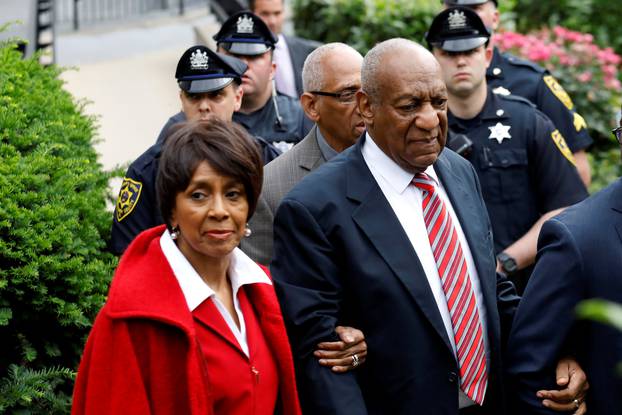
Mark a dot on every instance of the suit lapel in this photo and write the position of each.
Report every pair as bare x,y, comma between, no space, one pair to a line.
470,213
616,205
377,220
208,315
310,155
297,61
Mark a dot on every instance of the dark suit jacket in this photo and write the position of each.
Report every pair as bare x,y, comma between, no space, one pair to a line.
342,257
299,49
579,257
280,175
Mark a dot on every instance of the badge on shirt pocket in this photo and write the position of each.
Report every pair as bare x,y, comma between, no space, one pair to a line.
128,198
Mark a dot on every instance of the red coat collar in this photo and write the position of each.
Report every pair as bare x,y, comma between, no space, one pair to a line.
144,285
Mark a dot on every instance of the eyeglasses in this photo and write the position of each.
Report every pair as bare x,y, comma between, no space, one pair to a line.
347,96
617,133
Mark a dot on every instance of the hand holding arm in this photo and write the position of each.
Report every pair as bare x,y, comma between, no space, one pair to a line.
339,355
573,380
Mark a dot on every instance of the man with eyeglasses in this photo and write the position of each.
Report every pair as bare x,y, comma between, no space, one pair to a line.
331,77
579,257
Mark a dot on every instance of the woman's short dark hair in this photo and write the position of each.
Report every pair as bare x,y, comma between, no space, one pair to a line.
225,146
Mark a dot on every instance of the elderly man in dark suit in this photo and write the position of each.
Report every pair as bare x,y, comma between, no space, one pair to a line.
290,52
351,245
579,257
331,78
391,237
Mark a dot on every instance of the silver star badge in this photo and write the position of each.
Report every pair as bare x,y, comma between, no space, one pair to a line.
499,132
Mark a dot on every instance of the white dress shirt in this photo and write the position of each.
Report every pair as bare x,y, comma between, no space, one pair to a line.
284,77
242,271
406,201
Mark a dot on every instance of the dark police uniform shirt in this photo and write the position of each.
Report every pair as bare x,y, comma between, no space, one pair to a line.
293,127
508,74
524,166
137,206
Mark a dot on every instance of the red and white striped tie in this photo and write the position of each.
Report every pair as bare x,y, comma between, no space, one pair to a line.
454,275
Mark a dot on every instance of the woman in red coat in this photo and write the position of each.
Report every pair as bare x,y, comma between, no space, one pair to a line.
192,325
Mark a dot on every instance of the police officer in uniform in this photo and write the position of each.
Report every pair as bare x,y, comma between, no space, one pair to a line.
266,113
508,74
526,171
210,86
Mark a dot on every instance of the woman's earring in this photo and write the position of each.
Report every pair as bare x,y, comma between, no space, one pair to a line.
175,233
247,231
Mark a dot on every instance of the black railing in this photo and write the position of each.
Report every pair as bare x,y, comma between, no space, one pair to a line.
77,13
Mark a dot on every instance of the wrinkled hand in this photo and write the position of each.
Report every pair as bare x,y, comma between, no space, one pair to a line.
338,355
572,379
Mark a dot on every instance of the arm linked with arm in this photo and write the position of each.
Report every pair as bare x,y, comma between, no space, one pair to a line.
309,286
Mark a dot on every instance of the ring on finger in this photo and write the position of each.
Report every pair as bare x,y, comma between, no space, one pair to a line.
576,402
356,361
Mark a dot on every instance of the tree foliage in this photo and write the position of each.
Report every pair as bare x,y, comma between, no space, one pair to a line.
601,18
54,268
363,23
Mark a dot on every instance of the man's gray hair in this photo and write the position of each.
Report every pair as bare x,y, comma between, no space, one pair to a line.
374,62
313,76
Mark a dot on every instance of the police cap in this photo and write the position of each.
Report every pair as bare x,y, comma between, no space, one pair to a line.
452,3
457,29
202,70
245,33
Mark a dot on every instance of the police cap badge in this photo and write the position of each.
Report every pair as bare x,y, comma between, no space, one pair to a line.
202,70
244,33
457,29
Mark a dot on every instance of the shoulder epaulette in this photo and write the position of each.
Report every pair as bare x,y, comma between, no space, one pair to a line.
516,61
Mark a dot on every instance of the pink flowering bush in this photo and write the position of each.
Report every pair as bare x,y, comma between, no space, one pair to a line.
589,73
591,76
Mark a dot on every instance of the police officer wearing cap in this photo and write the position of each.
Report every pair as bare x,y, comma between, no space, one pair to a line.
526,171
508,74
266,113
209,85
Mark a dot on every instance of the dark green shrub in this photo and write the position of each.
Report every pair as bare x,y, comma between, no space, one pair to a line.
363,23
54,268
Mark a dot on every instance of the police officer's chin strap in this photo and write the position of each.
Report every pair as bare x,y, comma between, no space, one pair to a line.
279,119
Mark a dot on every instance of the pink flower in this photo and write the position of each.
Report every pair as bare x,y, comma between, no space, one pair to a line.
612,83
585,77
610,71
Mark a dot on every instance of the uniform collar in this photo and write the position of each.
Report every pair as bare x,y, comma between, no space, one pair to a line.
492,110
242,271
496,69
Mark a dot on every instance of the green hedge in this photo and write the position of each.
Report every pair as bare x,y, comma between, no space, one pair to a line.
54,268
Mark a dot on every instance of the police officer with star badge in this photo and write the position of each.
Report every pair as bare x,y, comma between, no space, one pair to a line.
210,86
509,74
525,168
266,113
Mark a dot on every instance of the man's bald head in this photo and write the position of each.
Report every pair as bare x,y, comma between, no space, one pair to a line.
317,65
386,57
404,103
331,76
